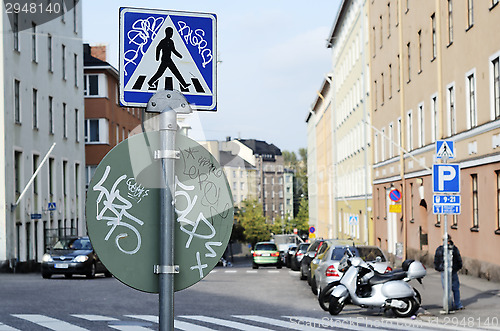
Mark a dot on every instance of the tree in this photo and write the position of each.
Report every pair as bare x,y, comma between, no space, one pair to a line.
251,218
302,218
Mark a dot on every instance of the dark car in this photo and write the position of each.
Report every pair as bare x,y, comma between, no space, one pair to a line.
72,255
298,256
305,264
289,255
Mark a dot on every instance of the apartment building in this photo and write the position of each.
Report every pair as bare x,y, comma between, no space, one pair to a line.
435,75
41,68
106,122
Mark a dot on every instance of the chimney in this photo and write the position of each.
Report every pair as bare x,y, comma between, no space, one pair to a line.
99,52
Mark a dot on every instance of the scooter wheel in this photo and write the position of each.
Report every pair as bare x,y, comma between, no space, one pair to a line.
335,306
411,308
324,295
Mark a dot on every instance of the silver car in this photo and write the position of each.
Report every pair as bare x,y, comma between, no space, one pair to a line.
327,271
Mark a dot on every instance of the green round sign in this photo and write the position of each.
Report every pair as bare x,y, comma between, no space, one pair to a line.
123,211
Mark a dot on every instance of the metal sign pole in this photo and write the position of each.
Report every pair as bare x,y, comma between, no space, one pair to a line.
168,104
447,264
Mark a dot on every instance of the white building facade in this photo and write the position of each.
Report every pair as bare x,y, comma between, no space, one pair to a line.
41,77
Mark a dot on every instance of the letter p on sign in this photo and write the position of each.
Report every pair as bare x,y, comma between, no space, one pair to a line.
446,178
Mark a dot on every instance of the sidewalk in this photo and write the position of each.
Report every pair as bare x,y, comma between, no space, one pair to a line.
480,297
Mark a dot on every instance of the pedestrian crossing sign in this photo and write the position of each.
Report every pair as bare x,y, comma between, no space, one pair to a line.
445,148
167,50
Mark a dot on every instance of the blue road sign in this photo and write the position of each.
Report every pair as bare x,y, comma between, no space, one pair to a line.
168,50
36,216
353,220
52,206
446,209
446,178
445,148
312,229
447,199
395,195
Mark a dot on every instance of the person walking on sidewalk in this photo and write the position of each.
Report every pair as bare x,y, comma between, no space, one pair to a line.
456,264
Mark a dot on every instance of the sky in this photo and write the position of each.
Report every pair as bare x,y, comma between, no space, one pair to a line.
272,60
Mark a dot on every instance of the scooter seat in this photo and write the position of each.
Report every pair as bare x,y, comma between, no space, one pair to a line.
382,278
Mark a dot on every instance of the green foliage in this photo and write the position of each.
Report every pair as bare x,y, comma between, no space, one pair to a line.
251,219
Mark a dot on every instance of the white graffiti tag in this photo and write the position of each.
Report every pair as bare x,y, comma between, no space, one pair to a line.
197,39
191,227
114,212
141,33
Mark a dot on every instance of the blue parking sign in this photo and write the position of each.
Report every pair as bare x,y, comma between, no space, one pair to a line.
446,178
167,50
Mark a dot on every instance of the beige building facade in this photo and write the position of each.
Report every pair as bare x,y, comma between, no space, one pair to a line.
435,76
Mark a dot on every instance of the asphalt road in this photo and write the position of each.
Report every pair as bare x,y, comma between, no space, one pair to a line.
230,298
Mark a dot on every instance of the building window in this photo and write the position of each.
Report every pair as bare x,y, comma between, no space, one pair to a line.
497,173
391,139
17,101
409,130
381,32
454,221
375,94
450,22
33,41
91,86
51,177
452,126
475,203
75,17
65,123
75,68
435,118
382,145
434,37
438,220
375,149
64,178
471,100
421,125
51,115
49,52
17,172
15,30
35,109
496,87
419,51
388,19
470,13
408,49
390,81
92,130
412,215
63,64
89,173
399,74
382,88
77,125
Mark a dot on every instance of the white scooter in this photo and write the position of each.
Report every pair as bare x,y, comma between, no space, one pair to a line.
364,287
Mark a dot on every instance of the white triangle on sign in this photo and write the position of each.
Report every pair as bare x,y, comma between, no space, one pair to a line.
445,150
186,66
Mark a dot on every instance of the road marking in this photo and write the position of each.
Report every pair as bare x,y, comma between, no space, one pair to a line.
4,327
252,271
149,318
129,327
328,322
230,271
275,322
95,318
273,271
189,327
231,324
49,322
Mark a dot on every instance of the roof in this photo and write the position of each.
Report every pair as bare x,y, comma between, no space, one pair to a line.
227,159
260,147
91,62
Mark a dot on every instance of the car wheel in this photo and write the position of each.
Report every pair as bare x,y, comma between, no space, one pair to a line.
324,295
91,272
314,287
302,276
68,275
255,266
46,275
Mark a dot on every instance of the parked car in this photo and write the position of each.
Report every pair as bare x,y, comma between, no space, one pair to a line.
266,254
284,242
327,271
298,255
70,256
305,264
289,255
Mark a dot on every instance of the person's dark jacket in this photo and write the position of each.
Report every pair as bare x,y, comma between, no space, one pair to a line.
439,261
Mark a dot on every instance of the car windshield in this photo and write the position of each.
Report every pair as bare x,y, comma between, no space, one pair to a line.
73,243
266,247
370,253
338,253
303,247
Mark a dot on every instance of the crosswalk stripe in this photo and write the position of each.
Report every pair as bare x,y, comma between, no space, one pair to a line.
189,327
327,323
230,271
129,327
275,322
149,318
252,271
218,321
95,318
49,322
4,327
273,271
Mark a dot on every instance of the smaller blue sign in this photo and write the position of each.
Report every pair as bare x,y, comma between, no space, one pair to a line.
445,149
446,209
353,220
52,206
447,199
36,216
395,195
312,229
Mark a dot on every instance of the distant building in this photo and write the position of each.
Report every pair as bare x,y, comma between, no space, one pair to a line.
106,122
241,176
41,104
288,193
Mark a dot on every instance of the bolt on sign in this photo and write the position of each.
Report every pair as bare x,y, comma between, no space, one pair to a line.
123,214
